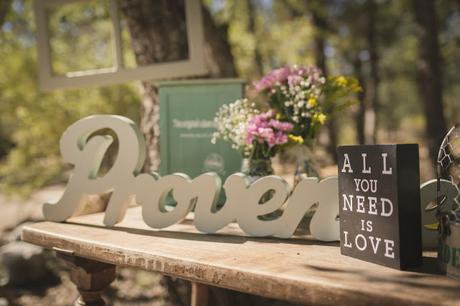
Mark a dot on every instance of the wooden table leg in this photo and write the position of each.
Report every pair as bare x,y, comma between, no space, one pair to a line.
90,277
200,294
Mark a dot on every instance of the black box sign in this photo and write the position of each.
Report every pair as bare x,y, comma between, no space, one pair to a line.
379,198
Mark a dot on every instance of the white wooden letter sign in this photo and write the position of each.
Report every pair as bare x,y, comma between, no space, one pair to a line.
86,151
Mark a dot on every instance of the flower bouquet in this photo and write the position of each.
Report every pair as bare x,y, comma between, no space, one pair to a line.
302,96
299,100
257,135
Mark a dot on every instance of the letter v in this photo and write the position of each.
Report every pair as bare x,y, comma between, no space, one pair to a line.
375,247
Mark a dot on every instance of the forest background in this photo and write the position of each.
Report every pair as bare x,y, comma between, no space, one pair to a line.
405,53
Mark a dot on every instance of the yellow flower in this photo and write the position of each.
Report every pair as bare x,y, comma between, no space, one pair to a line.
312,102
341,81
278,116
320,117
295,139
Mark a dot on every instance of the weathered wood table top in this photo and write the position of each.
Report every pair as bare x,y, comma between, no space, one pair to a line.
299,270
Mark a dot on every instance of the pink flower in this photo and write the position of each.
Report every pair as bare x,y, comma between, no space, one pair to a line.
263,128
293,75
270,79
294,80
282,126
281,138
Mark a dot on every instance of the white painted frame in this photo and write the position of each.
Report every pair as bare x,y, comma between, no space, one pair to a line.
193,66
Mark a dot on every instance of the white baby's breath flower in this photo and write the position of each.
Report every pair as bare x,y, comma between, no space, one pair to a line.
232,120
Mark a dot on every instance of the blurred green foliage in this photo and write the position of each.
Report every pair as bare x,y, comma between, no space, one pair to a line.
31,122
81,37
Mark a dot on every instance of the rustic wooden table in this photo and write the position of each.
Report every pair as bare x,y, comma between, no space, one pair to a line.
299,270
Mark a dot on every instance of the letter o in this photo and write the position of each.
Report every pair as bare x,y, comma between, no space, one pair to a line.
364,240
367,184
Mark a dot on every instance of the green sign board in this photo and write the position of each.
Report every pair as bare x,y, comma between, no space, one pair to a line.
187,110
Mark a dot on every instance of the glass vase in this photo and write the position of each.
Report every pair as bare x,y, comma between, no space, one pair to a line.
305,166
256,168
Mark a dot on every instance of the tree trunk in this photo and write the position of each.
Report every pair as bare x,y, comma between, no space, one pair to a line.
156,37
320,28
319,42
5,143
4,8
429,74
370,123
259,67
218,52
360,115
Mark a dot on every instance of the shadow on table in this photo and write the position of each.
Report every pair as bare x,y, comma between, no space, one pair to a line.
422,278
230,234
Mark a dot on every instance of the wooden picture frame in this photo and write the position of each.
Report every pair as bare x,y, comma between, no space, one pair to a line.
193,66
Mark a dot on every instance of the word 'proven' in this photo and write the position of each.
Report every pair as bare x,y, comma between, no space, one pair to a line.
80,147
